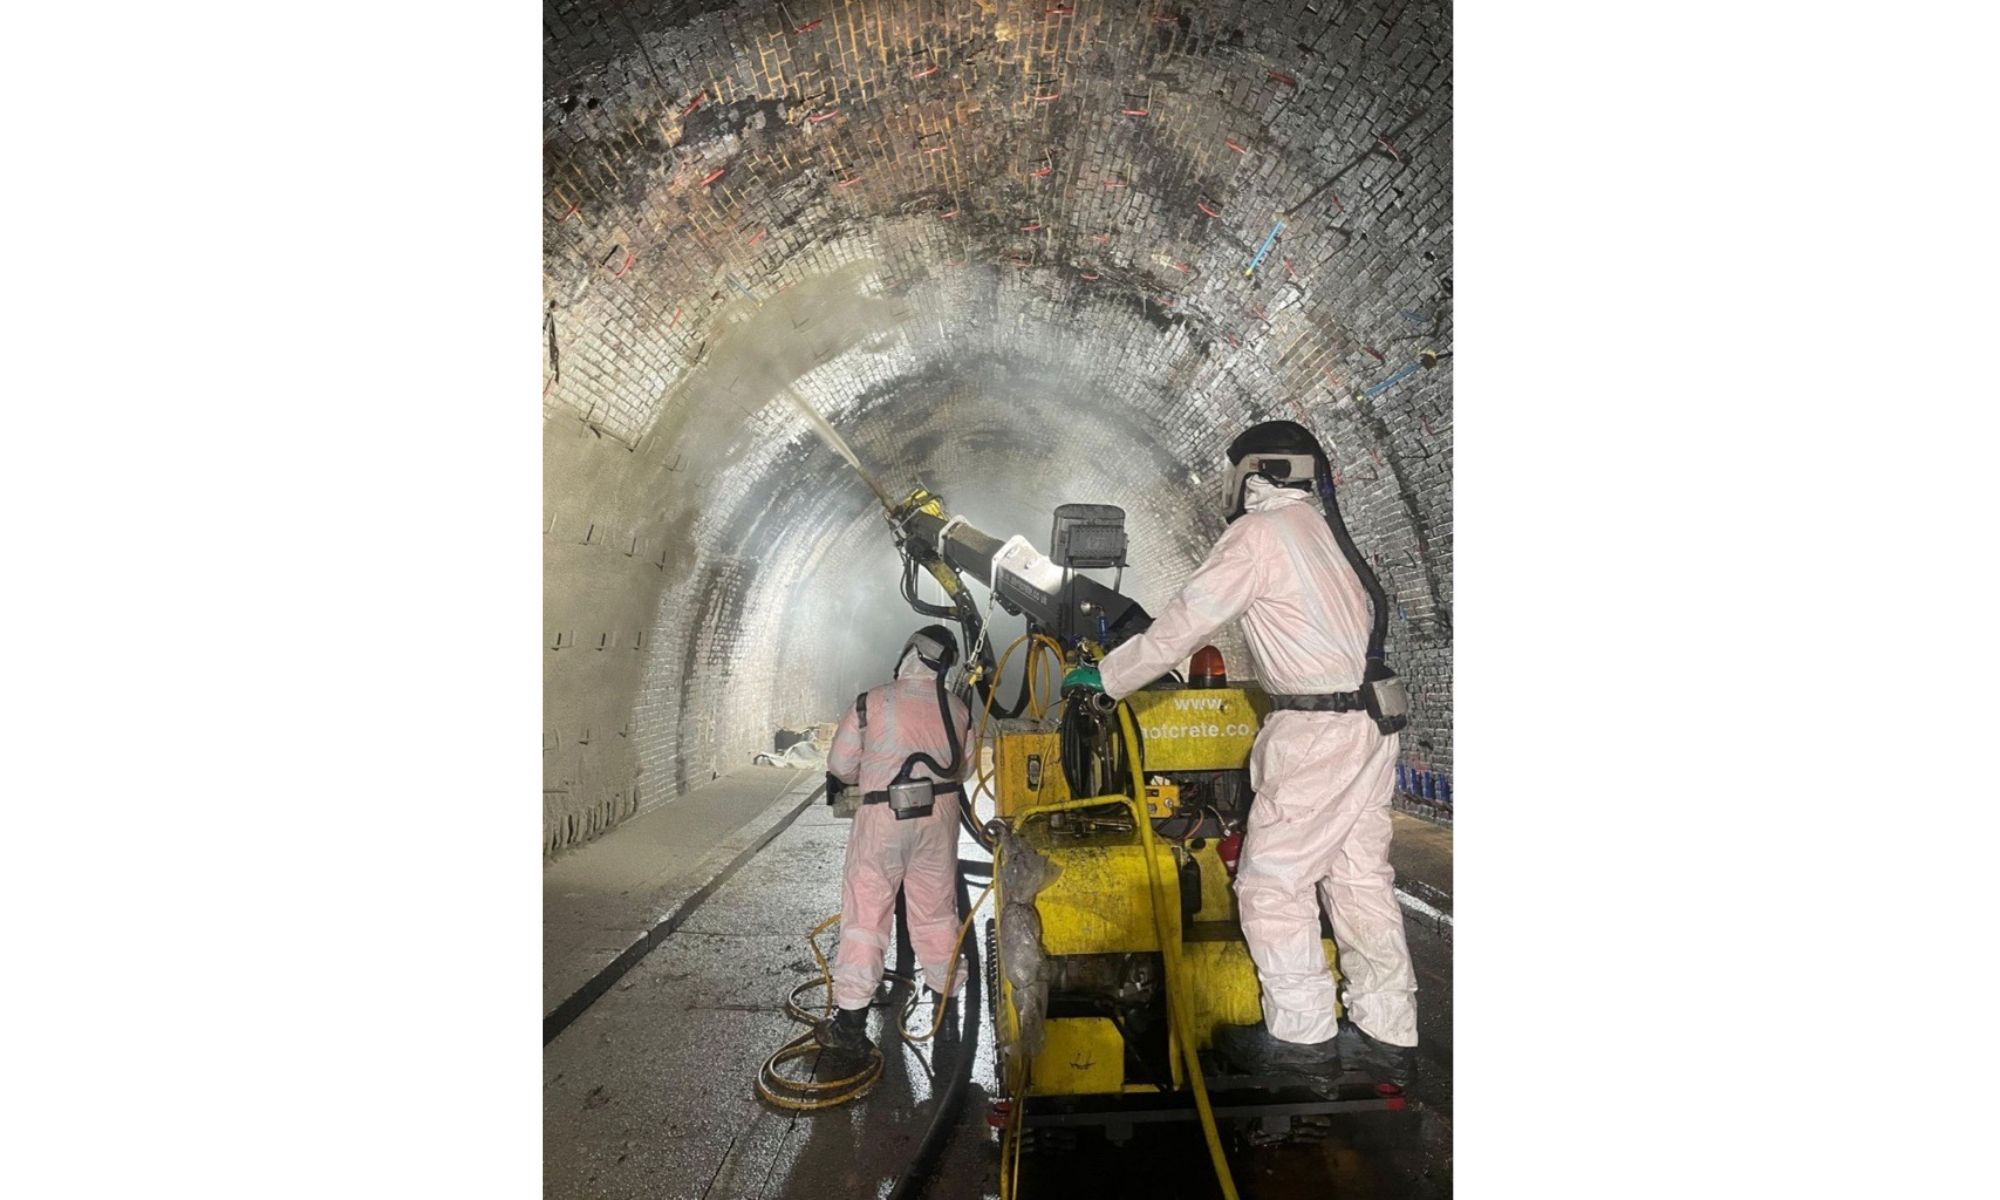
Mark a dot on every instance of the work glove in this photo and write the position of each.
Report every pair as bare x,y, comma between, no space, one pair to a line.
1084,684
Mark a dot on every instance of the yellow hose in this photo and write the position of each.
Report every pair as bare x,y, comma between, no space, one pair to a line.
812,1095
982,776
1177,1002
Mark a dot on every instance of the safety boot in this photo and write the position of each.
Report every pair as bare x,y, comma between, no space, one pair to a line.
846,1032
1252,1050
1377,1059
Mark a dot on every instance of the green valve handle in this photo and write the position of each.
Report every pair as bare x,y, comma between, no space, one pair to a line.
1082,678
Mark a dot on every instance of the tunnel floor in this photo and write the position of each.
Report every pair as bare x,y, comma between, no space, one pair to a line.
649,1092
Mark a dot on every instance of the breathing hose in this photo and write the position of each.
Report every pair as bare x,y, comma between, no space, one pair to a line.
943,771
1378,626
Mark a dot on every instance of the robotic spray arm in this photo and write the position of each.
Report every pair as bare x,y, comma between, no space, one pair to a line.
1081,615
1047,591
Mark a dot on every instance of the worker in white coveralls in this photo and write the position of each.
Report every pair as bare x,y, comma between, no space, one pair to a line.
1321,768
906,746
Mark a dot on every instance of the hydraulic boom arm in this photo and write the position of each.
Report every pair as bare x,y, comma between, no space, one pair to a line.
1062,603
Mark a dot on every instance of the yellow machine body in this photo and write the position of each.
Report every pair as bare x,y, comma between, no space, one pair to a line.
1100,902
1198,729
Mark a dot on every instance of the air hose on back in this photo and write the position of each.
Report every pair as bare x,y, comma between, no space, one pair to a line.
1386,697
910,797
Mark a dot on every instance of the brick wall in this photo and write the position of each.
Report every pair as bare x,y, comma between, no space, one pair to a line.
1003,248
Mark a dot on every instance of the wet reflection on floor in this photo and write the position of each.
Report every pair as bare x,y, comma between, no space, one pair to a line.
649,1094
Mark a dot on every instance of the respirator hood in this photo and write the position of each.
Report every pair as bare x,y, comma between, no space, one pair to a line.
1284,452
934,645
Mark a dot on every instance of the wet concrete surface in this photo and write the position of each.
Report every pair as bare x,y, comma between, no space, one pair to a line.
602,897
650,1092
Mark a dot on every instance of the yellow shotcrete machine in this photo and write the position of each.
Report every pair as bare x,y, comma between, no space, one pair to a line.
1114,951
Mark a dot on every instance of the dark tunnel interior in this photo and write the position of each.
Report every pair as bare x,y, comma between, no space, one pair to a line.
1024,254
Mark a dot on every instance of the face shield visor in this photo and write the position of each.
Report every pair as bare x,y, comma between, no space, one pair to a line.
1283,469
933,644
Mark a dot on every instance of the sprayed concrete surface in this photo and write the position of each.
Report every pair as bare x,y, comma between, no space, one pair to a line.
649,1093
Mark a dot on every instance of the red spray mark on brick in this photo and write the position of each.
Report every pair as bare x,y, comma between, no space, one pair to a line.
1257,310
1233,341
1100,238
759,237
1281,77
1375,354
1183,268
567,214
1388,147
712,176
1167,300
1031,227
1427,424
819,118
1041,172
1050,96
948,216
1134,112
694,103
927,72
1231,143
626,265
1206,210
849,182
1114,183
1288,269
1336,202
676,320
938,149
808,27
1092,278
1378,456
545,387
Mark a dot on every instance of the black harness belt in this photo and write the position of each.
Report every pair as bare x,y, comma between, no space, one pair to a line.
941,789
1320,702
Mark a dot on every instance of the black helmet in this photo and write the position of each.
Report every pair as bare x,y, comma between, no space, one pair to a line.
1284,452
934,645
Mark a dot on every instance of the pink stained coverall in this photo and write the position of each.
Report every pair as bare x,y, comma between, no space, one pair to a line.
920,854
1320,820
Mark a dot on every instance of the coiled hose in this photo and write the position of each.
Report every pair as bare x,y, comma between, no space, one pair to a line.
774,1087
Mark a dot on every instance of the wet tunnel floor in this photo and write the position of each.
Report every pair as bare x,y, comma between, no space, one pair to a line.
649,1093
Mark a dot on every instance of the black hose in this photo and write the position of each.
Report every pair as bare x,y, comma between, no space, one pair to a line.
943,771
916,1178
948,771
1378,627
934,611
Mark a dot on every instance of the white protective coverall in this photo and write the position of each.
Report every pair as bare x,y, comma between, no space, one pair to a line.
920,854
1323,781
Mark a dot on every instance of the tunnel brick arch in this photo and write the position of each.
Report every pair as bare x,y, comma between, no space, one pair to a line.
1020,300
